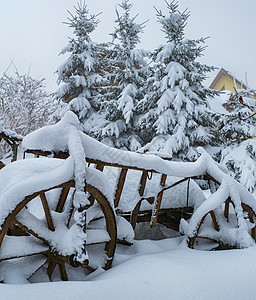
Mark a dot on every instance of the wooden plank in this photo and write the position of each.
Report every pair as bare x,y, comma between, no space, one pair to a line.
119,187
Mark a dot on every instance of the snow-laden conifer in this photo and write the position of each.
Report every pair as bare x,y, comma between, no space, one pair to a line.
83,74
177,119
239,151
128,69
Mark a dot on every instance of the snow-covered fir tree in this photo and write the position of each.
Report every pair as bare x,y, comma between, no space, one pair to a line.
83,74
232,128
128,71
177,118
239,151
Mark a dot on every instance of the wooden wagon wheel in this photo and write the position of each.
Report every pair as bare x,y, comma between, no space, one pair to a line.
249,215
31,232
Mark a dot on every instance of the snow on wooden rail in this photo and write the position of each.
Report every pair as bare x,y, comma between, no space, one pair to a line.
53,139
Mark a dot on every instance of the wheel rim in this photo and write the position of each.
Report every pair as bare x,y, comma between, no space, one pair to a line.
19,226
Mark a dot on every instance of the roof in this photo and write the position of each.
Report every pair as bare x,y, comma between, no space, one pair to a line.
224,72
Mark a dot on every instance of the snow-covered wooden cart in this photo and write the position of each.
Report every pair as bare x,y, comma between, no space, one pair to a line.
69,209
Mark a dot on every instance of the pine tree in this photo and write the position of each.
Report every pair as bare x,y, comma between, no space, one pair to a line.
128,69
83,74
177,119
239,151
232,129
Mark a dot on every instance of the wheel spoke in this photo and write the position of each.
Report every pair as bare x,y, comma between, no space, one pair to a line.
63,198
26,229
50,268
63,272
47,212
22,256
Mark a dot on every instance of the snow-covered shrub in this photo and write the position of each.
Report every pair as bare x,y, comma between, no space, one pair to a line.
25,105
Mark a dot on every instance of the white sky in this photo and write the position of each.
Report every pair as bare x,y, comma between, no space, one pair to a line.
32,33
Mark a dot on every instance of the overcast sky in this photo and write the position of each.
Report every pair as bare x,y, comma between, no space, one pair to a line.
32,33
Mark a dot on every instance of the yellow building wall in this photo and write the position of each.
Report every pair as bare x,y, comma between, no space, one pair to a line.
226,83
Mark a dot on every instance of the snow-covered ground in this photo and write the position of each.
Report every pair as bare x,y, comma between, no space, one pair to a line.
163,269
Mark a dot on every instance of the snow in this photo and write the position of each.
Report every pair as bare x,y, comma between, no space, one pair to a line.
162,269
217,102
166,267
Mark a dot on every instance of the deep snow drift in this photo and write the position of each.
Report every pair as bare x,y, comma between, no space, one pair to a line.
161,270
